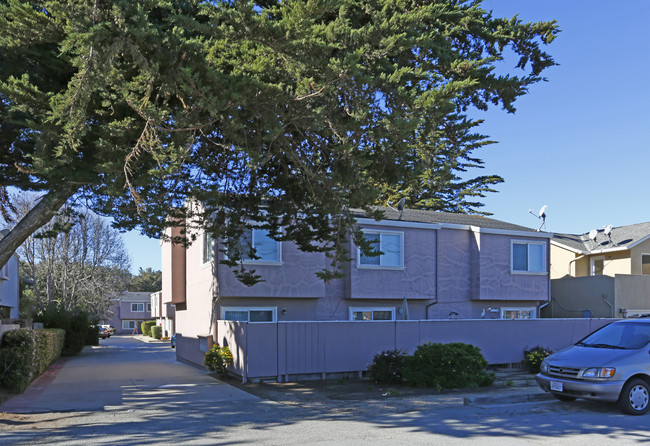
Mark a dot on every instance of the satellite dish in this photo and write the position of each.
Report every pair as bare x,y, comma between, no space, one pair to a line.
541,215
608,230
400,204
542,212
593,234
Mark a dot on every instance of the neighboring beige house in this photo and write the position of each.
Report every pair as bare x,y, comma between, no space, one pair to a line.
603,273
625,250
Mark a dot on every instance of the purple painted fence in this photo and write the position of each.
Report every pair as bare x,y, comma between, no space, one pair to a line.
290,350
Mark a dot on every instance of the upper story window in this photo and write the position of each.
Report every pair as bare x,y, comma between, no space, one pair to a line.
645,264
137,307
528,257
208,247
266,249
149,308
391,246
249,314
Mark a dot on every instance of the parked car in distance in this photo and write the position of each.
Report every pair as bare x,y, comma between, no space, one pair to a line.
611,364
110,329
103,333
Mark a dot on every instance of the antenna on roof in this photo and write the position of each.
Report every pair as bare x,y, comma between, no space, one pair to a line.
541,215
593,234
608,233
400,207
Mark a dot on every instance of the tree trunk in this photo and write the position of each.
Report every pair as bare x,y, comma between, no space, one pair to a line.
40,214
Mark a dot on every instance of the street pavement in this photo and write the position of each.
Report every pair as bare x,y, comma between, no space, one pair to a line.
129,392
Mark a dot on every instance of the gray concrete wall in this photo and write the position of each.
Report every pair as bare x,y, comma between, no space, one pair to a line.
632,293
573,296
287,350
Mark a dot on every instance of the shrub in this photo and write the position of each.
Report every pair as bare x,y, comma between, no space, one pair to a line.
25,354
48,347
146,327
447,366
156,331
92,336
217,358
387,367
76,326
533,358
17,359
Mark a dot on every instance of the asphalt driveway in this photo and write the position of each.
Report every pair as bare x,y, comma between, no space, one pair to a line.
122,373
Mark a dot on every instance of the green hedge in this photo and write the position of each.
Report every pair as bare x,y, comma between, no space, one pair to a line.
156,331
25,354
76,326
146,327
447,366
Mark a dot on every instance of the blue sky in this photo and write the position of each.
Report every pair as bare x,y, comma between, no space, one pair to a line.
578,143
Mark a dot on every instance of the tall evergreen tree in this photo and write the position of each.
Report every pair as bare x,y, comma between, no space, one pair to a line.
286,113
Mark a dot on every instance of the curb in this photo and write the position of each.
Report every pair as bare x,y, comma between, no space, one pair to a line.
506,399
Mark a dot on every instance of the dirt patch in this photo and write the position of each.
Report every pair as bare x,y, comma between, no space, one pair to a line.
334,395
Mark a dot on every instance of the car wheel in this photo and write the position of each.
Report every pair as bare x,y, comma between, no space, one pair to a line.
561,397
635,397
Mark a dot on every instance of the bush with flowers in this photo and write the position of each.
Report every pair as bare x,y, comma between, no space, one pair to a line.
217,359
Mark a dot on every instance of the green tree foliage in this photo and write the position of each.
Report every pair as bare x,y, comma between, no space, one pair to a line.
286,113
146,280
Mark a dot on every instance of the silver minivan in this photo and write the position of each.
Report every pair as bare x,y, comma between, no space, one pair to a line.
611,364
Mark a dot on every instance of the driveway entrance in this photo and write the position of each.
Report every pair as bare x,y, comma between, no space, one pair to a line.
122,373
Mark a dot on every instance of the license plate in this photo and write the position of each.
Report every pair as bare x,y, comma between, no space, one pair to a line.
557,386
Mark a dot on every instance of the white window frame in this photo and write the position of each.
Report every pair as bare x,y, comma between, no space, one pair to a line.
353,310
527,271
642,255
273,310
533,312
149,307
278,249
127,322
137,303
380,266
592,265
207,255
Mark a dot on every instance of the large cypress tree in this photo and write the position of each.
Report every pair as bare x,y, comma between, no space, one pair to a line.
287,113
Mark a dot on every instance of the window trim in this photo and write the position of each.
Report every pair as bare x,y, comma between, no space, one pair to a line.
137,311
278,257
644,254
135,324
592,265
353,310
527,271
380,266
533,311
210,253
274,311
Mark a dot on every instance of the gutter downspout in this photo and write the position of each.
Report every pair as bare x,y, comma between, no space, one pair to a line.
437,287
577,258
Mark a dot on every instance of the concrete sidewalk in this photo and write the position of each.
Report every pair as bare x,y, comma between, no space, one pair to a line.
122,373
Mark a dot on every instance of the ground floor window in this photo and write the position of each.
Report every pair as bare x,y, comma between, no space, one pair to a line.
372,314
518,313
129,325
249,314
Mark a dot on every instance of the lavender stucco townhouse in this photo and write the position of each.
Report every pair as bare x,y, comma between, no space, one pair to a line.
434,265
